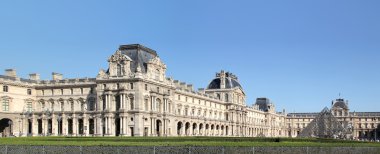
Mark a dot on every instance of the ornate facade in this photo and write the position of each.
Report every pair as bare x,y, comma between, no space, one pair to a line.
133,97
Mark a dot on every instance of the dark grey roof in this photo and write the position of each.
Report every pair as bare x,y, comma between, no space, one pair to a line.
230,83
340,104
139,54
263,103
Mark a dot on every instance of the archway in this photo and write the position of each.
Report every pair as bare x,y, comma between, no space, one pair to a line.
212,130
187,129
207,129
194,129
6,127
117,126
179,128
201,129
159,127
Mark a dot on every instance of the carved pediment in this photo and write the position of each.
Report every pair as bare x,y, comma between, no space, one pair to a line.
102,74
157,61
119,57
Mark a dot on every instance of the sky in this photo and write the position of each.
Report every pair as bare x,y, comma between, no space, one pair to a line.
300,54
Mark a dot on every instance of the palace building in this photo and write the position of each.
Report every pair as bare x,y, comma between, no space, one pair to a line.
133,97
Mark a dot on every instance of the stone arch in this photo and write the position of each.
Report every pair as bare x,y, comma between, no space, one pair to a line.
201,129
179,128
187,128
195,126
6,127
217,130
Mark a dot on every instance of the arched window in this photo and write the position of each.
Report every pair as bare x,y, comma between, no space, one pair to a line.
218,96
5,104
119,70
226,97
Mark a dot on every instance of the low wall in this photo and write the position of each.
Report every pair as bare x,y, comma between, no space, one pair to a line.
184,150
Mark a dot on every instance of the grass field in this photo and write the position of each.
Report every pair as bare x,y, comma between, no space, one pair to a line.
183,141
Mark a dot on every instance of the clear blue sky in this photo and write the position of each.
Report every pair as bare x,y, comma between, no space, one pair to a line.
300,54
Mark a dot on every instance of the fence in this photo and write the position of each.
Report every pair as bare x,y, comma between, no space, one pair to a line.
184,150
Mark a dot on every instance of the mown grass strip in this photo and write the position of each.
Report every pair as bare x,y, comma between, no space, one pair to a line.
184,141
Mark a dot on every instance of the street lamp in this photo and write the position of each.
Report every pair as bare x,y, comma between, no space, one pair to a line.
19,126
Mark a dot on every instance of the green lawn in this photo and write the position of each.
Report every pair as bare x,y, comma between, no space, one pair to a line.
183,141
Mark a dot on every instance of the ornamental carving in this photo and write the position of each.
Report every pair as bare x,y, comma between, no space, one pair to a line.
119,57
157,61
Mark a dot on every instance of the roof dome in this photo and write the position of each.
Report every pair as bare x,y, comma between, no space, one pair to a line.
230,81
340,103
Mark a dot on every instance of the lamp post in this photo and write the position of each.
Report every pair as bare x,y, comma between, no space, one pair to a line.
19,126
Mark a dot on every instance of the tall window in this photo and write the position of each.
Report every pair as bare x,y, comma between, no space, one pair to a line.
5,88
29,91
146,104
131,85
5,105
226,97
131,102
72,91
91,104
72,106
62,106
29,106
146,87
118,70
157,75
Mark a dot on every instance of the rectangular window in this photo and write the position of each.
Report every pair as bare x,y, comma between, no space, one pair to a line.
131,85
71,91
5,105
92,90
61,91
81,91
5,89
52,92
29,106
158,89
29,91
146,87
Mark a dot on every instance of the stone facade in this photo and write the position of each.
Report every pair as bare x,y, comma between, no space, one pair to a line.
133,97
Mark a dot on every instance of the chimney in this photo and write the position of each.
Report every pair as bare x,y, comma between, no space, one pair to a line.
10,72
34,76
57,76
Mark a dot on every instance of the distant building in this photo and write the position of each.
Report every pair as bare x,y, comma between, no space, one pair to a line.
365,125
133,97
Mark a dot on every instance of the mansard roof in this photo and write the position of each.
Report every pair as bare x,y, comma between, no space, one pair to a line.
139,54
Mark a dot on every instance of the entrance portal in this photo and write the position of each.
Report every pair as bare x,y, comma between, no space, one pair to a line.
159,127
6,127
